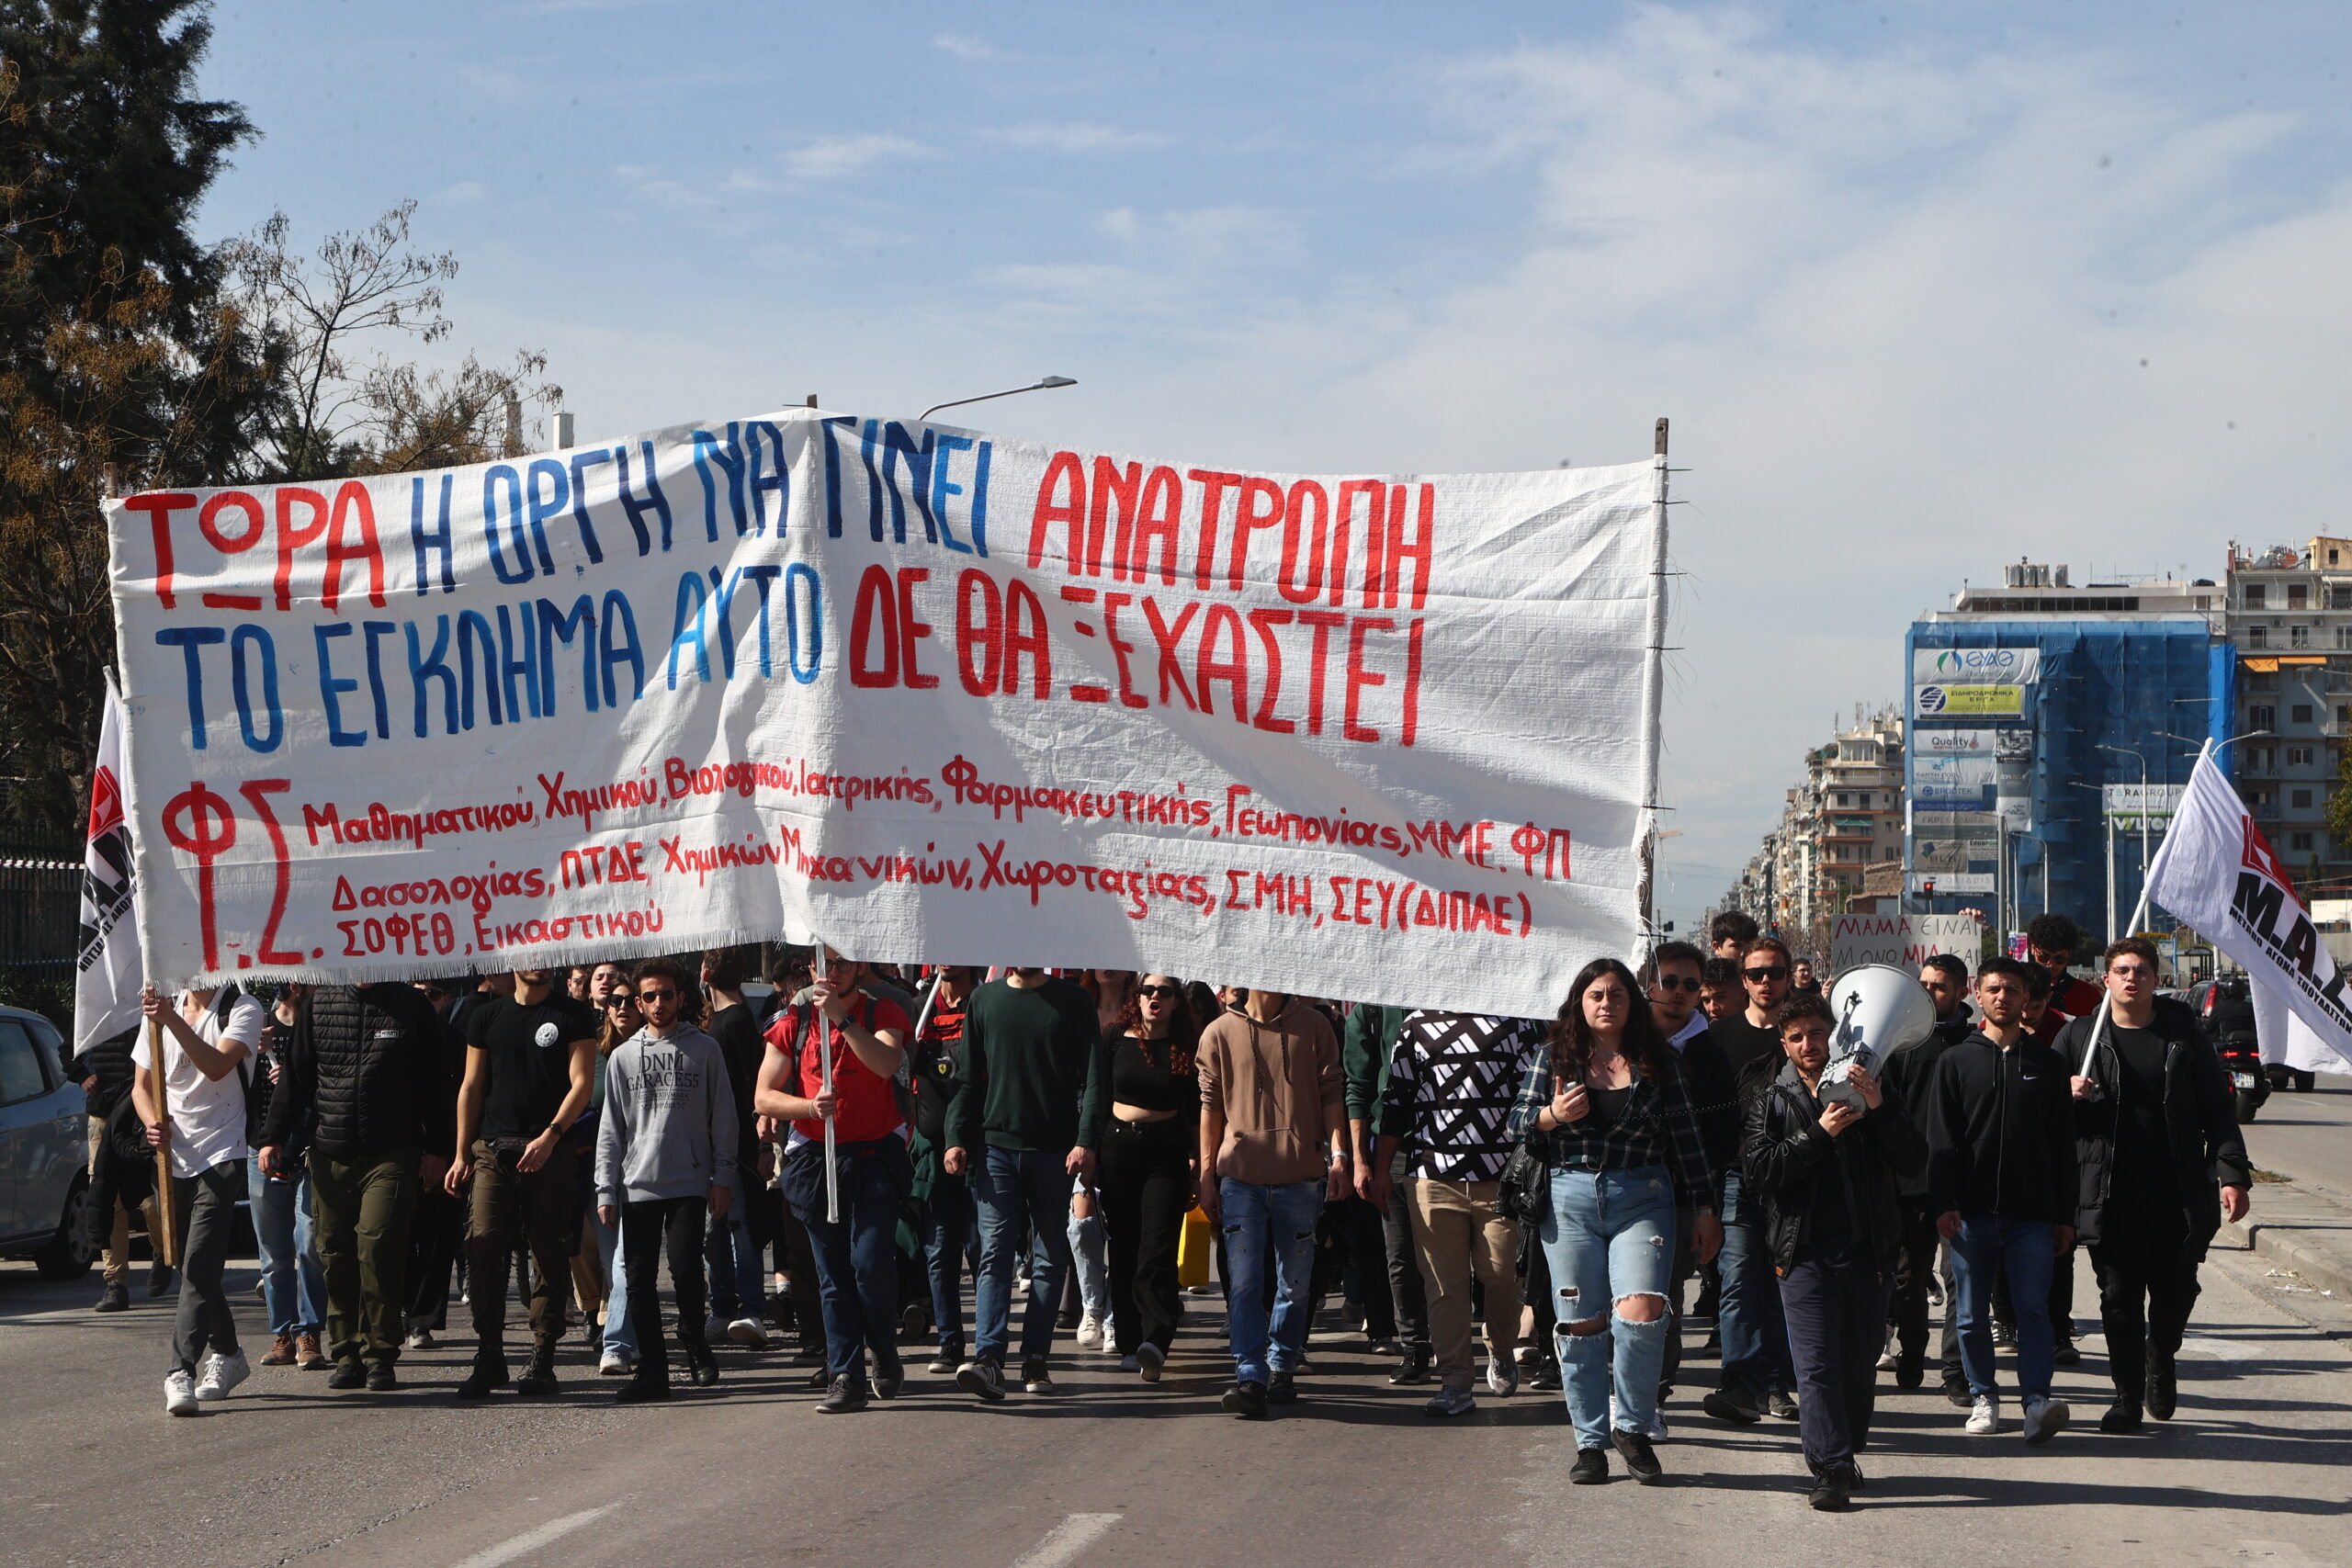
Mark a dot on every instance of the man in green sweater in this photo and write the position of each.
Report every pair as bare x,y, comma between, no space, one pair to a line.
1027,1119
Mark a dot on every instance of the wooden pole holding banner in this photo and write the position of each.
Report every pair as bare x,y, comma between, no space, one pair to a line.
167,1215
1652,704
825,1071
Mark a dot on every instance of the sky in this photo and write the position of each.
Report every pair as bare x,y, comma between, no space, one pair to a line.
1924,288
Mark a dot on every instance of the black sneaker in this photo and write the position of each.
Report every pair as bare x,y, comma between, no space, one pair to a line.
1779,1407
538,1374
914,1320
647,1385
845,1395
1590,1469
1957,1392
381,1379
2163,1388
2064,1354
702,1366
1640,1458
985,1379
1734,1404
1035,1376
351,1374
943,1364
490,1373
2122,1418
1414,1369
115,1298
160,1276
1281,1389
1247,1400
1831,1493
1910,1371
889,1377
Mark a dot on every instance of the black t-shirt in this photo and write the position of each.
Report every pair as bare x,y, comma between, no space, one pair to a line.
1140,1078
2141,1151
739,1043
938,1068
1743,1043
530,1060
1605,1107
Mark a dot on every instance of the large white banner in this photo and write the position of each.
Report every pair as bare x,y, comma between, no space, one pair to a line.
928,693
2216,871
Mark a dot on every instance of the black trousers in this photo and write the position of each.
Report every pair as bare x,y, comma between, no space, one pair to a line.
205,1209
436,1235
1358,1237
1145,1178
649,1228
1908,1308
1835,1307
1405,1288
2147,1286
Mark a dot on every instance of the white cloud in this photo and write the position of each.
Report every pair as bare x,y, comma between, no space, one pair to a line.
963,46
1076,137
842,157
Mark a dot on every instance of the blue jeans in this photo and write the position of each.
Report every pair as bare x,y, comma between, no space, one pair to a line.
1258,1221
293,1279
950,1230
1984,1245
1609,1235
618,1335
1087,1254
1018,1189
857,1261
732,1257
1755,1334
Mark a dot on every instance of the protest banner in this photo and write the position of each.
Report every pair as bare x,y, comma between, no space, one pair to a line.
1906,940
928,693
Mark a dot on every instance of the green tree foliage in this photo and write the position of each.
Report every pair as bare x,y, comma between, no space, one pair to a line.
123,364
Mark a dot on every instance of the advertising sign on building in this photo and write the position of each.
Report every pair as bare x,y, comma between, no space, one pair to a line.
2126,803
1969,701
1975,666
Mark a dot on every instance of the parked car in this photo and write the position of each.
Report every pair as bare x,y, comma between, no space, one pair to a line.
45,1150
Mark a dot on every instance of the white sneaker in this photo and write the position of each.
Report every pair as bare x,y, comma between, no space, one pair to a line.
222,1373
2044,1419
615,1363
1501,1376
1090,1333
749,1332
179,1394
1984,1416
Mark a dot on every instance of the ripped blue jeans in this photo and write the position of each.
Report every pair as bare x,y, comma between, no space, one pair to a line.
1268,1225
1610,1234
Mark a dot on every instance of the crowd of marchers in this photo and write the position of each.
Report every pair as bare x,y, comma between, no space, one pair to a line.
835,1147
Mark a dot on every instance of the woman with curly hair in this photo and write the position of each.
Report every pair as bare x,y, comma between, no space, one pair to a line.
1147,1165
1606,1110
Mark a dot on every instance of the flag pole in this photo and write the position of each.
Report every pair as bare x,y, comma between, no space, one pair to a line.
825,1071
167,1215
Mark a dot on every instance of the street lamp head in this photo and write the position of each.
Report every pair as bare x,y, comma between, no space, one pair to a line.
1042,384
1057,381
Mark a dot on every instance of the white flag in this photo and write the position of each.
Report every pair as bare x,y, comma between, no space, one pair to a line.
2217,873
106,992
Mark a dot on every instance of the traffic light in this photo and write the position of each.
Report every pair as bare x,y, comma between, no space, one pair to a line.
1929,886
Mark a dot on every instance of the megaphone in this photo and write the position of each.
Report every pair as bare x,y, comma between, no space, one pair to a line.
1880,1009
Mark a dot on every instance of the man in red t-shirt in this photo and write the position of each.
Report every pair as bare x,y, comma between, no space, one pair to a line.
857,1255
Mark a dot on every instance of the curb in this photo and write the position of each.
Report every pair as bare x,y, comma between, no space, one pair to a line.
2321,1267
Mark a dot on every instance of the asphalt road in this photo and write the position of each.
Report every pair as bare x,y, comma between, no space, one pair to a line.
2307,1136
2257,1468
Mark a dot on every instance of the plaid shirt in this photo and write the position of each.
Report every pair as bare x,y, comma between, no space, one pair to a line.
1657,1129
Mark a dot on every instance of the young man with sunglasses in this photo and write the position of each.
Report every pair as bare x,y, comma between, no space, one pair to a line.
2156,1123
665,1159
1756,1376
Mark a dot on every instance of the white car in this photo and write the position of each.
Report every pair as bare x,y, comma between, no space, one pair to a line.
45,1150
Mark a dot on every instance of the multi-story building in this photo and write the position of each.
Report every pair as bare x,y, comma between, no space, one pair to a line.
2028,701
2291,619
1838,826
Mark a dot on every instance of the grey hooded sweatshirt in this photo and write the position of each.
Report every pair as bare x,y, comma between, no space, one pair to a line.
667,1129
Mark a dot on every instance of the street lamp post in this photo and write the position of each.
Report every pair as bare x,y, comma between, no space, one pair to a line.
1042,384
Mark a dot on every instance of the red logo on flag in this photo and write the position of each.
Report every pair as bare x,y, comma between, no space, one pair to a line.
2259,858
105,802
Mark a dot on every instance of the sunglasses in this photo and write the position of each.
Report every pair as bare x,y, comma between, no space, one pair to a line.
1677,983
1776,972
621,1000
1162,992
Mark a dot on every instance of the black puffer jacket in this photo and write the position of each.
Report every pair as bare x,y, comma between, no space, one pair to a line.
1784,1153
366,1061
2200,1123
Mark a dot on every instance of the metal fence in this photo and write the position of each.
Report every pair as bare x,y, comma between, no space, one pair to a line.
40,903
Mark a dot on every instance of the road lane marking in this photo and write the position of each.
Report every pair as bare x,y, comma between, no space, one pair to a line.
1062,1543
531,1540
